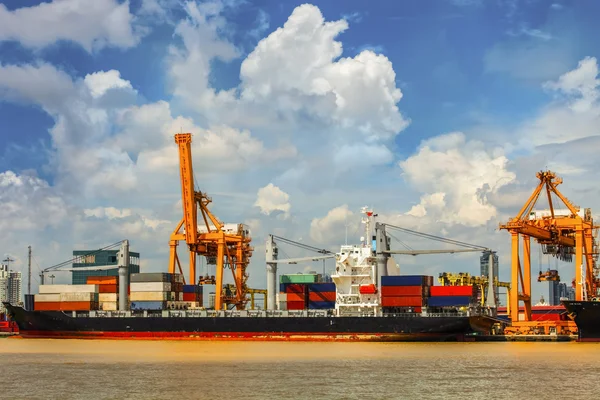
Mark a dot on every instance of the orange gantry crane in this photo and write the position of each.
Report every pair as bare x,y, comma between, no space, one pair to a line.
561,233
229,246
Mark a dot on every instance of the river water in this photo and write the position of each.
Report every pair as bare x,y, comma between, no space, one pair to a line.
110,369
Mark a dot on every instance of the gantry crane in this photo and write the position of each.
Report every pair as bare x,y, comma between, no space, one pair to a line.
560,233
229,247
466,279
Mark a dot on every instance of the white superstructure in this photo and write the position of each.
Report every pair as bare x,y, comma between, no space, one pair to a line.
356,266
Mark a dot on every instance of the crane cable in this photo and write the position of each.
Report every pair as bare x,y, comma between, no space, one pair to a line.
437,238
302,245
72,260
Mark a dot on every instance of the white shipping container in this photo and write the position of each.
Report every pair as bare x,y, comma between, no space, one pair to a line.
53,289
108,306
150,287
150,296
41,298
283,305
106,297
282,297
81,296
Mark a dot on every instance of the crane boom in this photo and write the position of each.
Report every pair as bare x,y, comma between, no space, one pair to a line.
184,141
420,252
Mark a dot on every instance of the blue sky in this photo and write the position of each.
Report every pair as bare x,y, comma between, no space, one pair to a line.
291,135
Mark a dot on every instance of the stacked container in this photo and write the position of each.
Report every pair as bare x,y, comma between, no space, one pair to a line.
193,295
451,296
108,289
155,291
321,296
406,293
66,298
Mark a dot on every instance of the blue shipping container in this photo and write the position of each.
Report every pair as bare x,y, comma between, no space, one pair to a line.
192,289
282,287
448,301
321,287
321,305
404,280
148,305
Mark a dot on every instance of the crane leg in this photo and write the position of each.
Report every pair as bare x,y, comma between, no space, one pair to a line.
527,276
514,282
578,262
172,255
192,280
219,271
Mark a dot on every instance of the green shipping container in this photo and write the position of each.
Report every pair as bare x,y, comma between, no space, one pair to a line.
298,278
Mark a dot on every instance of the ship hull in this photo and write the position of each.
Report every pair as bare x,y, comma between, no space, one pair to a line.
51,324
586,315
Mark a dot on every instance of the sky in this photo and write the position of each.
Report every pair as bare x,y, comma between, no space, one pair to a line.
436,114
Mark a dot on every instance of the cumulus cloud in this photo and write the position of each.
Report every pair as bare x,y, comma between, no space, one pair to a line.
91,24
271,199
456,176
581,84
330,229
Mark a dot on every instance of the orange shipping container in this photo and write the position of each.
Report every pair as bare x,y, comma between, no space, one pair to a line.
401,291
295,297
102,280
295,305
320,296
402,301
66,306
107,288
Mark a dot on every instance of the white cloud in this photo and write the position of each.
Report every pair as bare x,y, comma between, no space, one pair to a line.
91,24
332,227
457,175
107,212
271,198
581,83
101,82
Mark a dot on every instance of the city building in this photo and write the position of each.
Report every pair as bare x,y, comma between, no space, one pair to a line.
15,287
91,258
3,286
484,265
555,292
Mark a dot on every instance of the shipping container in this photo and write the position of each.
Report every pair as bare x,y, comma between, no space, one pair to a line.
404,291
107,297
177,278
449,301
66,306
192,288
321,296
367,289
190,296
282,305
321,287
79,297
148,305
295,305
150,287
152,296
298,278
44,298
296,288
107,288
452,291
403,301
49,289
151,277
102,280
296,297
321,305
282,297
404,280
108,306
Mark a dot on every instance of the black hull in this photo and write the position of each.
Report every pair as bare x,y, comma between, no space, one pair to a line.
586,315
55,324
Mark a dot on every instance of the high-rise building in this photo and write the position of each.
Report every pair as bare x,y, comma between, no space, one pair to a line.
15,288
91,258
554,293
484,265
3,286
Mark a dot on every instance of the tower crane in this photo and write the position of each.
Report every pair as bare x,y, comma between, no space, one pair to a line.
561,233
228,245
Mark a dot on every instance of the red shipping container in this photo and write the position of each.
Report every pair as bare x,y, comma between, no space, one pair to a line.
402,291
295,297
102,280
295,288
452,291
320,296
367,289
295,305
545,317
190,297
402,301
65,306
107,288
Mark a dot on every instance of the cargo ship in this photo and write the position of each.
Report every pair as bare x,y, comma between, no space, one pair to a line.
362,303
586,315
